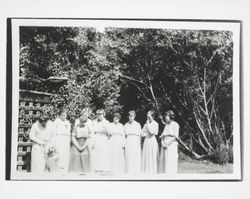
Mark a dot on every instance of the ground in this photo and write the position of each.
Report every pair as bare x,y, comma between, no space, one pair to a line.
188,165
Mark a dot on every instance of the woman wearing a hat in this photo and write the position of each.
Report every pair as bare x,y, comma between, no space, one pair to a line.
100,144
40,134
169,150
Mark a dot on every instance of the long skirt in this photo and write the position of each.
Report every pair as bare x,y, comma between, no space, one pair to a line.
117,154
150,155
101,153
133,154
79,161
62,144
169,159
38,159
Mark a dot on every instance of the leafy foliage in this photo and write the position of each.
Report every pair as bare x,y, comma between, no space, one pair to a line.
189,71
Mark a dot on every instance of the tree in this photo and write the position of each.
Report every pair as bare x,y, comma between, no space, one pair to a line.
185,69
74,53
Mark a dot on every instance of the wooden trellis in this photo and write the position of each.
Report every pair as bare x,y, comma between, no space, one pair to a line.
31,103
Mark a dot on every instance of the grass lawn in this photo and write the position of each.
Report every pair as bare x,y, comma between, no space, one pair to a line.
189,165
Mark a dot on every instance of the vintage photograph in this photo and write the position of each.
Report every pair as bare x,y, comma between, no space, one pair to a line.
125,99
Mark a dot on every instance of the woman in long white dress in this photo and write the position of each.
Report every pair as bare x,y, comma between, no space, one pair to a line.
61,138
169,149
133,146
101,143
80,156
86,112
150,152
117,141
40,134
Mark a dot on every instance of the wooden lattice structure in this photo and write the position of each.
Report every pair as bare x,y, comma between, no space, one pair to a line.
31,103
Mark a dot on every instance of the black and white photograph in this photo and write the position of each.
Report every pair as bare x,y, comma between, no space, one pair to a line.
124,99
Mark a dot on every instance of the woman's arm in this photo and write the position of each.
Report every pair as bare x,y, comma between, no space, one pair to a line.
86,144
138,130
144,131
33,136
73,139
153,129
164,133
176,130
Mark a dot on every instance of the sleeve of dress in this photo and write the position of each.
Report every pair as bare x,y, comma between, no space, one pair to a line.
164,132
153,129
144,131
73,134
91,128
125,131
107,127
76,122
139,130
73,138
123,136
176,130
33,135
50,127
69,131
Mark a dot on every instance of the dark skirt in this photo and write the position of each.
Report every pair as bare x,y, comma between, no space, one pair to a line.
80,161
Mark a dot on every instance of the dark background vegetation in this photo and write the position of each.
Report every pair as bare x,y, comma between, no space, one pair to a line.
188,71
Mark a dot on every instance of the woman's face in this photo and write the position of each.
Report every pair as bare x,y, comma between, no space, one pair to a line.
100,116
150,118
63,116
167,118
43,124
82,123
116,120
131,118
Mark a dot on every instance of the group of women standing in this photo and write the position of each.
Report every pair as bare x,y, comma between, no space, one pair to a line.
100,146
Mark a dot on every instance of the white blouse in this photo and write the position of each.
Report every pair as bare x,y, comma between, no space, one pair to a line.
116,129
61,127
133,128
101,127
39,134
81,132
89,123
150,128
171,129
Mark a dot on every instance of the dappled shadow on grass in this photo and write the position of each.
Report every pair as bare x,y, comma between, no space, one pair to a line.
189,165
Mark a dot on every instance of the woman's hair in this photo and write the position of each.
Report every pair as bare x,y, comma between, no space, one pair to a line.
152,113
62,110
43,117
86,110
132,112
100,111
118,115
83,118
170,113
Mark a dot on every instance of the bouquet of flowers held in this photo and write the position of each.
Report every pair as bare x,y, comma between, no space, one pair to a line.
51,152
51,158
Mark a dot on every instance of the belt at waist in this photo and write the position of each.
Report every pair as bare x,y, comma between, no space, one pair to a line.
81,138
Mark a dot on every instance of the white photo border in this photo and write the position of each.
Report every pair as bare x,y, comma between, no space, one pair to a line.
234,26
